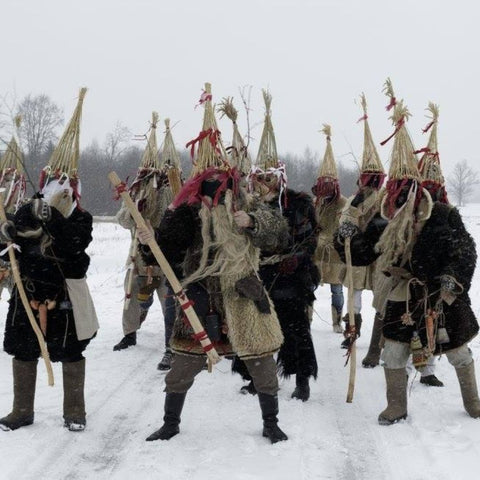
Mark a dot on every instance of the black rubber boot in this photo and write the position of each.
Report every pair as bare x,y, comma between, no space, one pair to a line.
128,340
348,336
269,407
73,395
24,381
249,389
431,381
171,420
166,361
302,389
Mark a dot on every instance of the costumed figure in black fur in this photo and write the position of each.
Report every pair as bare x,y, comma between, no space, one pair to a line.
288,273
53,232
211,235
425,263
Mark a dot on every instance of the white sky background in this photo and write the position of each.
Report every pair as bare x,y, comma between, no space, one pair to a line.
316,57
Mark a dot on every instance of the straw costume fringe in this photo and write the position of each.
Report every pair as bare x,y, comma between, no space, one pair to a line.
238,150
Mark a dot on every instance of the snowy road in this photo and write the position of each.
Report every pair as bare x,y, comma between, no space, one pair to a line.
221,429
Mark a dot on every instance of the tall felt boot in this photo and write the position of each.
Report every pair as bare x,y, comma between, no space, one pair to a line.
468,387
347,334
372,358
302,389
171,420
396,410
336,321
269,407
24,380
73,395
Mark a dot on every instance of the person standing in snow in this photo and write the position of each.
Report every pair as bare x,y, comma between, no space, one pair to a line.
211,235
53,232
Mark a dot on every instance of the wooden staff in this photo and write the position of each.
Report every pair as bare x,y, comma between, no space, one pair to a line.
25,302
351,323
185,303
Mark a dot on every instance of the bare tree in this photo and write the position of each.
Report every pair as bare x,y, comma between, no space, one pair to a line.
116,142
462,181
7,115
40,119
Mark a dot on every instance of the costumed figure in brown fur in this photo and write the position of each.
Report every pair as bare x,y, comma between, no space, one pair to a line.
287,271
425,263
211,235
53,232
329,203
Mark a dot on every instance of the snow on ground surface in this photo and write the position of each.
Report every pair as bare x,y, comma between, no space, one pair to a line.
221,430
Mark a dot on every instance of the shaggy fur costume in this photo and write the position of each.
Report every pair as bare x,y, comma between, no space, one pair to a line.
49,254
210,255
443,247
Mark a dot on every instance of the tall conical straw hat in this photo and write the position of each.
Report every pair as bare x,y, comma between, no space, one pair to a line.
328,168
13,157
267,151
170,160
211,152
150,155
64,159
429,165
238,150
403,161
371,162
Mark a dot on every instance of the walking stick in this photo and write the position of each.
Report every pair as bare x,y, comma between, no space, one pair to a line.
185,303
131,256
25,302
352,351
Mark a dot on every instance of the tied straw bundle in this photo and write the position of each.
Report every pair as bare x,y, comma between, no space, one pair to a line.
267,153
171,161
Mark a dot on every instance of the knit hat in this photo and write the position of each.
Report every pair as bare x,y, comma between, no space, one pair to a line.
170,160
327,180
63,164
12,175
238,151
210,161
371,164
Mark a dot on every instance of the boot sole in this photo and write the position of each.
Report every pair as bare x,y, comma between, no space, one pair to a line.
386,421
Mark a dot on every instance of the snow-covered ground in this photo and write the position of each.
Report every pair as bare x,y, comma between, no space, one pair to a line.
221,430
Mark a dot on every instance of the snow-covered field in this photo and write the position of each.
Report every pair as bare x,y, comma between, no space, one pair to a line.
221,430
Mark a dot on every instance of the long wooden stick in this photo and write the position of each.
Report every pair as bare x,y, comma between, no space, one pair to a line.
186,305
25,302
351,322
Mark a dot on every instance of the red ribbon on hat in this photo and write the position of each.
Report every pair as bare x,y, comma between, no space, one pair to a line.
204,97
212,135
399,125
428,127
362,118
393,102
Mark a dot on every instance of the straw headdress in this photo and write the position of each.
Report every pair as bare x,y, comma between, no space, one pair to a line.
328,168
211,152
150,155
238,150
64,159
170,160
371,162
429,165
12,173
267,151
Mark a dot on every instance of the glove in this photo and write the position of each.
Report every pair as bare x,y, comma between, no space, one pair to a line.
7,231
145,235
288,265
347,230
41,210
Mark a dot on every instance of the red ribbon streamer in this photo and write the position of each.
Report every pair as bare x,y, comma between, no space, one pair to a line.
400,124
428,127
393,102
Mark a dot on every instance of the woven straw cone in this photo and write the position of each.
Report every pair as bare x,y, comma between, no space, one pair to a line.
267,151
13,158
170,160
328,168
429,164
403,162
370,160
150,155
239,154
65,157
208,156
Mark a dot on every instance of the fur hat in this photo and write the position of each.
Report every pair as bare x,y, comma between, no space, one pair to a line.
327,180
238,150
12,174
63,164
371,163
210,152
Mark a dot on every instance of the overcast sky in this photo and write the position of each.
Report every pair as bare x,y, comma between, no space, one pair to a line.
315,56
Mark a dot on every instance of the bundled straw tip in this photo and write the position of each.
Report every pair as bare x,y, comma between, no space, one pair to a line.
154,119
167,123
327,130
